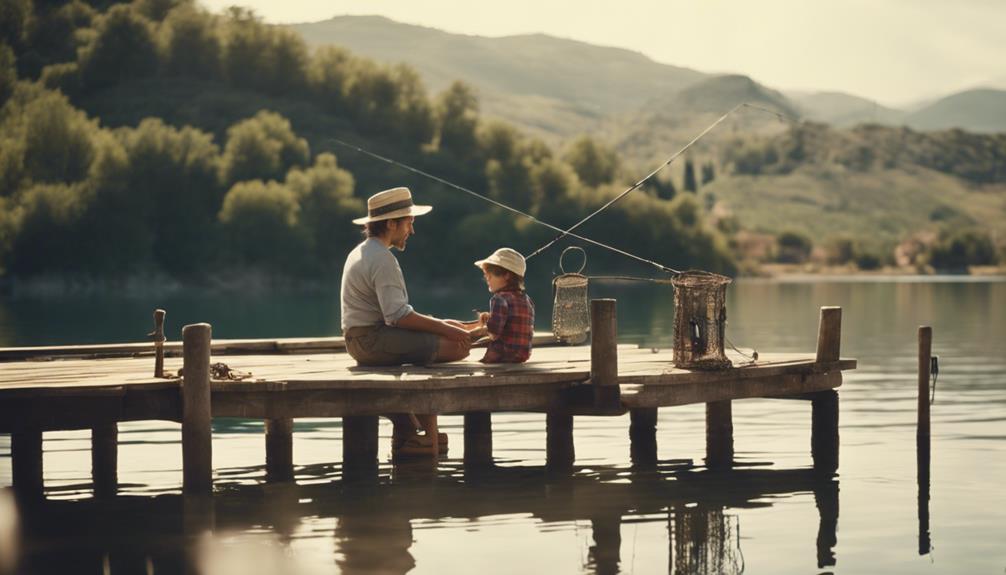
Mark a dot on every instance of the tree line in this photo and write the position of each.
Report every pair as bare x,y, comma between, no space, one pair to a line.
232,190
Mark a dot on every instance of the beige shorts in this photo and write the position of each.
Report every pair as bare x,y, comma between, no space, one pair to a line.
386,345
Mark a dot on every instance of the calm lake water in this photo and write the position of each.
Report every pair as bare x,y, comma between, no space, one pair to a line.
768,515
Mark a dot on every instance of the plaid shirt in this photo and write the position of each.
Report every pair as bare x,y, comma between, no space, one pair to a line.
511,320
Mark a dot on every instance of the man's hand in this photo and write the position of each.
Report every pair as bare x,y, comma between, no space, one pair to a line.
457,334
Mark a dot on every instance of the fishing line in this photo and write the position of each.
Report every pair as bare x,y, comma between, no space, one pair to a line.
502,205
654,172
568,232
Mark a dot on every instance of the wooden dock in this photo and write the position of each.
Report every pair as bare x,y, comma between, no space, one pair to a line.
95,387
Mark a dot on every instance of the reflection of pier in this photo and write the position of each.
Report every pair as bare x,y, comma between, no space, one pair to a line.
294,379
373,531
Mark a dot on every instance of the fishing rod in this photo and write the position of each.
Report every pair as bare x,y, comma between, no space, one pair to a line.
568,232
502,205
668,162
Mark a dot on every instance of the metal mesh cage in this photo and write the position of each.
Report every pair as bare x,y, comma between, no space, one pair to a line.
570,314
570,311
700,318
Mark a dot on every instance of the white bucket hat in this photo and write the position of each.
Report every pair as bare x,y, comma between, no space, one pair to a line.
390,204
506,258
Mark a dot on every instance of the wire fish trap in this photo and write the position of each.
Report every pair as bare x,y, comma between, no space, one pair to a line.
700,318
570,314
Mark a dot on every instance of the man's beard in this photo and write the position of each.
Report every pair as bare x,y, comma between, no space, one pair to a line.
400,245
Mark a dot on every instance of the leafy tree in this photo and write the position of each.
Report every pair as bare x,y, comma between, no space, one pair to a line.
44,138
263,147
176,169
508,170
328,74
457,114
324,193
289,61
793,247
594,163
661,188
158,10
45,230
415,122
260,225
191,43
54,33
8,72
14,17
690,184
708,173
124,48
959,249
248,55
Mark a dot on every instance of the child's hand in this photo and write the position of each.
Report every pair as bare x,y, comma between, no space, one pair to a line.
483,317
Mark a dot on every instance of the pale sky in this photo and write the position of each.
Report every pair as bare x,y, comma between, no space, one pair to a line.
893,51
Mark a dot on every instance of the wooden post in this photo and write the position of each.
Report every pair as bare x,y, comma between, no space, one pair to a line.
829,334
26,464
104,459
925,359
359,447
559,451
824,439
158,335
197,433
279,449
719,434
643,436
922,436
478,438
604,352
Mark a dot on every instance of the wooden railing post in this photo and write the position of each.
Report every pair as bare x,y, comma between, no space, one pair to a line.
604,352
197,433
829,334
158,335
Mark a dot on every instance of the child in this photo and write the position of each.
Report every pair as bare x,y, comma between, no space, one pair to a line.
510,320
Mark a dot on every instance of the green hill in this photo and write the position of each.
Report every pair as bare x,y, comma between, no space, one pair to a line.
845,110
982,110
550,85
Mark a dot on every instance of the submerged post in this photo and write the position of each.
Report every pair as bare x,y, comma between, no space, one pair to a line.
824,439
478,438
104,458
197,433
26,463
359,447
604,352
158,335
559,452
719,434
279,449
922,437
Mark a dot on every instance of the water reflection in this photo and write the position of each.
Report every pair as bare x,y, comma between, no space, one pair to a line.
372,526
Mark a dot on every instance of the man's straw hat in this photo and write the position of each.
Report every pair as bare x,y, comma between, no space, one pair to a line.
390,204
507,259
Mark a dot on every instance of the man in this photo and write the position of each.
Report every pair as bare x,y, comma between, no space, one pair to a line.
380,326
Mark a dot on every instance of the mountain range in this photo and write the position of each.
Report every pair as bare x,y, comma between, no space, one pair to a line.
556,87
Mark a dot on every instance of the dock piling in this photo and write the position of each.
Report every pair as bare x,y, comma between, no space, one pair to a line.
829,334
105,458
643,436
359,447
478,438
604,352
26,463
719,434
279,449
197,432
824,431
559,452
922,437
